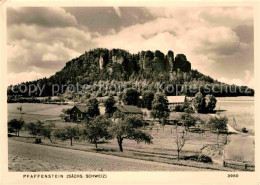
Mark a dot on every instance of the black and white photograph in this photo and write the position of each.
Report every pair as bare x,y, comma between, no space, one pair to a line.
130,88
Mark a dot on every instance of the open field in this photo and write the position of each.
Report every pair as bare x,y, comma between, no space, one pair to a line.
240,108
163,148
32,157
35,111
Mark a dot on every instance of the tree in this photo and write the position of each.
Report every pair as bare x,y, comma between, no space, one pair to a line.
129,128
152,115
14,126
204,104
67,133
180,142
131,97
147,98
118,115
20,109
218,123
198,102
96,130
47,130
109,104
160,107
202,126
35,128
31,127
92,108
187,119
65,114
210,102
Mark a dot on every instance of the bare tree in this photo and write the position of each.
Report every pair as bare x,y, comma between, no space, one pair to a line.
201,127
180,142
176,127
20,109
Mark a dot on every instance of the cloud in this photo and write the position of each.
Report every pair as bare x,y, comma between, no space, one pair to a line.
16,78
71,36
213,48
41,16
218,41
215,16
46,48
45,41
41,55
50,57
245,33
103,19
248,80
228,16
58,52
214,40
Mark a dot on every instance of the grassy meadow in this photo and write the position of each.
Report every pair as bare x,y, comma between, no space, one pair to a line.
163,148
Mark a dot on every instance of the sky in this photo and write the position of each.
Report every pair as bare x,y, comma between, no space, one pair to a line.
218,41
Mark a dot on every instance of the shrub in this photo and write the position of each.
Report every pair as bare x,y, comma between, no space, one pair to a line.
191,157
204,158
178,108
109,105
14,126
35,128
65,114
244,130
38,141
148,97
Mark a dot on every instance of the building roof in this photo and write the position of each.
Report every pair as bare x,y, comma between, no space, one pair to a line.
176,99
82,108
129,109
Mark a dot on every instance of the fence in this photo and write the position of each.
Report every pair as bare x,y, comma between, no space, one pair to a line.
239,165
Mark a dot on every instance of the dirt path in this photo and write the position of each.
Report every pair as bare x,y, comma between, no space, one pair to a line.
33,157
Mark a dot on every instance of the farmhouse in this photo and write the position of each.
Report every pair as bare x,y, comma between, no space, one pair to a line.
176,100
78,112
127,109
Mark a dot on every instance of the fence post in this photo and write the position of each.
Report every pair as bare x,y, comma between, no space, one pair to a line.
245,166
224,163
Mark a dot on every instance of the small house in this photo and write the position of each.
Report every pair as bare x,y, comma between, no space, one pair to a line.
128,109
78,112
176,100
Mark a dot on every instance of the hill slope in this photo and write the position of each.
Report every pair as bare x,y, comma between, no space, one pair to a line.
118,65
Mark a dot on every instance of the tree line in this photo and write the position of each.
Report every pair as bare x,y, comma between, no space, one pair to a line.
101,127
94,130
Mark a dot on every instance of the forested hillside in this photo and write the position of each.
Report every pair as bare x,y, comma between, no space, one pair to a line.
119,67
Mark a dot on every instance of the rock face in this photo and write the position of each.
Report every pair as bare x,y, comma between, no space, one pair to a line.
120,63
117,59
101,63
181,63
145,59
170,57
157,62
